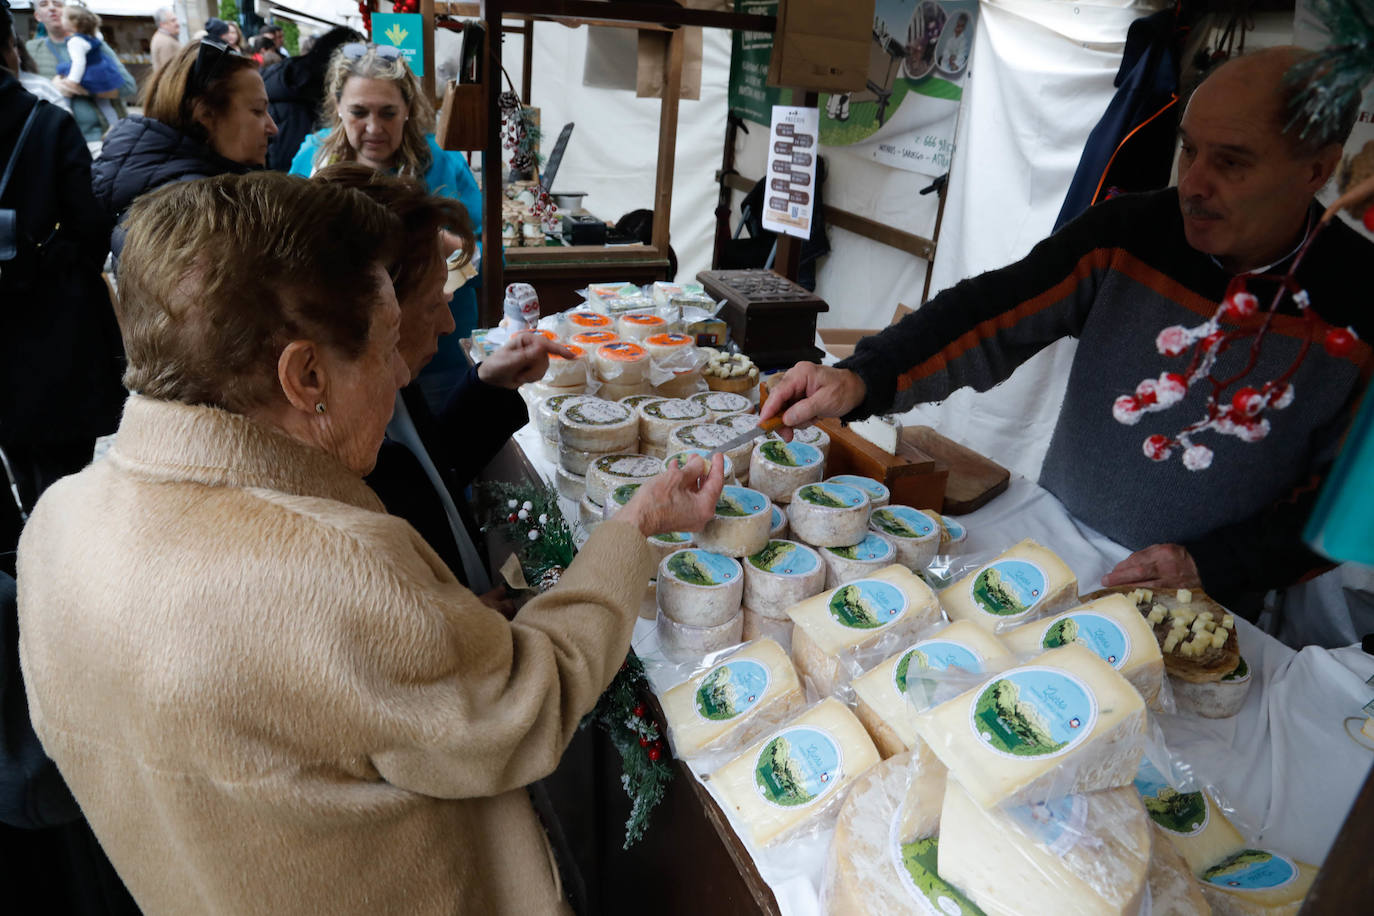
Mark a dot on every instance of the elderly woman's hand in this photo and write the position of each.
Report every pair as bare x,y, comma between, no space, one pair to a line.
679,499
524,358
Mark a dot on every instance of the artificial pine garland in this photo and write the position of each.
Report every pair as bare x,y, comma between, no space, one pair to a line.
1332,78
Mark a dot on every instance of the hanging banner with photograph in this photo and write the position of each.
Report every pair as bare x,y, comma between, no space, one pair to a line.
750,95
905,117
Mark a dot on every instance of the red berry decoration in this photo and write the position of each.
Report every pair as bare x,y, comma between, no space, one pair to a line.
1368,218
655,752
1340,341
643,741
1214,341
1247,402
512,517
639,710
1157,447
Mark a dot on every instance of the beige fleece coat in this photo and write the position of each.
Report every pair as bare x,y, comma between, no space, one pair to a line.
271,697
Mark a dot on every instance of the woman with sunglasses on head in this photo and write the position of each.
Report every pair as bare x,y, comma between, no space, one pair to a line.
204,114
378,115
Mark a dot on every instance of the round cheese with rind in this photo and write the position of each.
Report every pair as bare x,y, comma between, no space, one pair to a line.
588,513
740,454
845,564
778,468
661,545
740,526
670,348
1023,582
733,701
612,391
638,326
700,588
781,574
1214,699
617,498
659,417
579,321
683,384
828,514
596,425
590,340
546,414
680,641
633,401
915,534
576,461
607,472
778,530
704,435
878,494
564,370
570,486
723,403
680,459
815,437
621,363
549,449
757,626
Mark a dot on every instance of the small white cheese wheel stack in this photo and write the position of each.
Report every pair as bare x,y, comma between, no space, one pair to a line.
546,415
1079,855
884,706
878,494
781,574
734,700
1257,882
723,403
1110,626
778,531
659,417
536,393
1064,724
1191,822
633,401
778,468
595,425
682,642
704,435
893,604
828,514
845,564
661,545
738,423
740,526
580,321
549,448
576,461
699,588
564,371
1214,699
569,485
588,513
621,363
815,437
915,534
1023,582
617,498
639,326
671,348
680,459
606,473
794,773
590,340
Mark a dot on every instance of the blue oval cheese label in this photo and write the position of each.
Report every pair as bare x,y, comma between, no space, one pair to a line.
1183,813
741,502
1101,634
903,522
790,454
934,655
703,568
731,689
867,604
956,532
832,495
778,519
798,767
1252,870
785,558
1009,588
1034,712
873,488
872,548
671,537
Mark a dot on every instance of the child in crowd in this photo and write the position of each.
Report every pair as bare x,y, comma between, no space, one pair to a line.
89,66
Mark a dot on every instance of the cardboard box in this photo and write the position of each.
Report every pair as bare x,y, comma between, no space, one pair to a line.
822,45
840,341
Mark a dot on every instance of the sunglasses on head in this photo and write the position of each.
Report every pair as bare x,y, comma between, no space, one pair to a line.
356,49
209,60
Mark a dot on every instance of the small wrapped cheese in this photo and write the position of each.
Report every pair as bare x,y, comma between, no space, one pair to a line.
1023,582
570,486
588,513
670,348
575,461
734,700
723,403
778,468
740,526
546,415
700,588
915,534
564,371
621,363
633,401
639,326
1214,699
815,437
579,321
845,564
590,340
828,514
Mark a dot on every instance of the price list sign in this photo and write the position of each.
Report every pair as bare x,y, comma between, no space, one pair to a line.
790,198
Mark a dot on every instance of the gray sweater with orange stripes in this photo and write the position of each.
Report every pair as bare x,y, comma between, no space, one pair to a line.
1114,278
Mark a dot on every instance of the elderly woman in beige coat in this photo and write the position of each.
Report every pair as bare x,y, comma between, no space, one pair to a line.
268,695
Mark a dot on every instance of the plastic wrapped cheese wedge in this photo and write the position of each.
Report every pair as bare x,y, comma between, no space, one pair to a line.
915,534
740,526
882,859
1076,855
734,700
699,588
891,605
1173,889
779,575
778,468
1024,581
878,494
1064,724
827,514
794,773
845,564
883,702
1110,626
1257,882
1191,821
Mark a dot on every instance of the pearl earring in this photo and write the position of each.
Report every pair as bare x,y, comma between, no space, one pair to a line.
319,407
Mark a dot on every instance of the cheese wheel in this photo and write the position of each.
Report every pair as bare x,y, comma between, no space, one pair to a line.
617,498
779,528
606,473
570,486
779,575
740,526
778,468
733,701
892,604
580,321
633,401
657,418
680,459
661,545
1257,882
567,371
1214,699
740,454
699,588
705,435
590,340
1023,582
549,447
757,626
1064,724
648,606
619,305
723,403
885,694
595,425
546,415
669,348
845,564
639,326
955,532
536,393
611,391
815,437
621,363
1190,821
878,494
794,773
828,514
653,451
1110,626
681,642
915,534
1077,855
1173,889
588,513
576,461
683,384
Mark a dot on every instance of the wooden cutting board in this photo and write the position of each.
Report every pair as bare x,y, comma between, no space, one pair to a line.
973,479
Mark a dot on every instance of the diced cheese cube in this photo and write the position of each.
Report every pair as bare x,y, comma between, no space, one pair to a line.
733,700
1185,596
1156,614
1065,723
792,774
1228,621
1023,582
1219,639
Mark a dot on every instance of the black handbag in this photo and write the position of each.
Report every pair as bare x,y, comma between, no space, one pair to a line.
9,219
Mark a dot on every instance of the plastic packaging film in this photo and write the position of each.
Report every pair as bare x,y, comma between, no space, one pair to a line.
1024,582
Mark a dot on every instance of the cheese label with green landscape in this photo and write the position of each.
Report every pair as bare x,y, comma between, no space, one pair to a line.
1033,712
832,495
916,864
785,558
934,655
875,490
741,502
867,604
871,548
1180,813
624,493
903,522
703,568
731,689
1102,635
790,454
797,767
1009,588
1252,870
670,537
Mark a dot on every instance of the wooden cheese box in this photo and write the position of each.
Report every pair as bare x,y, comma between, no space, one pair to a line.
772,319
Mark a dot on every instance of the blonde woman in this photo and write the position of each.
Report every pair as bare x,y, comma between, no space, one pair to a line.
378,115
